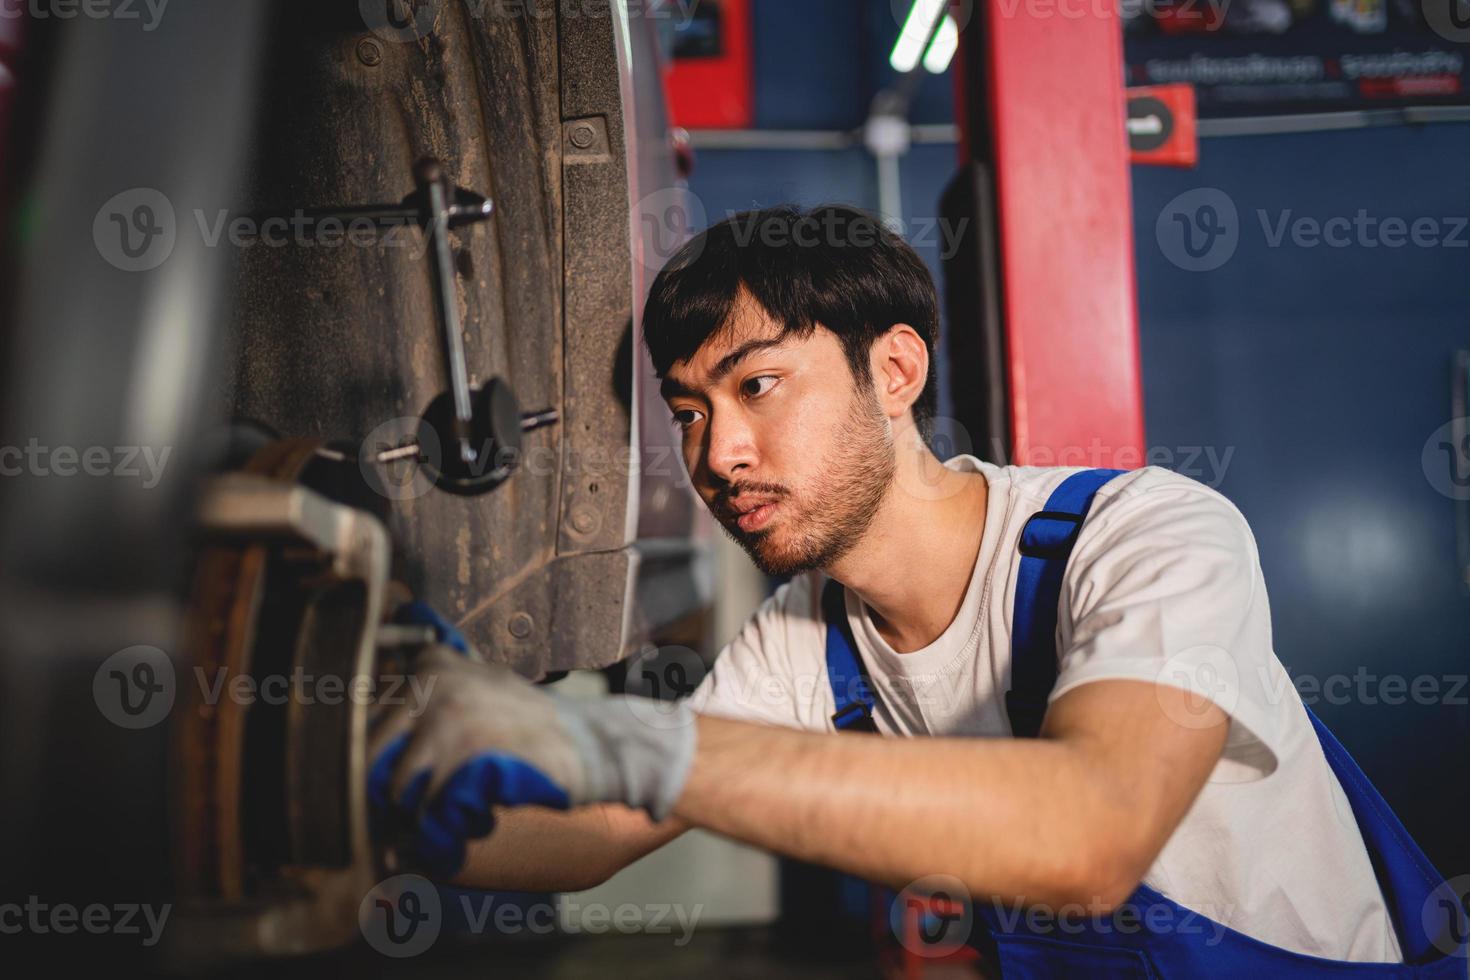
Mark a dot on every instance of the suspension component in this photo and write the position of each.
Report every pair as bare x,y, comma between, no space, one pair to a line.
477,430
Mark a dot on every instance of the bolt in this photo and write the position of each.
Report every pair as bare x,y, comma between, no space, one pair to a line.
369,52
584,520
583,136
428,171
520,625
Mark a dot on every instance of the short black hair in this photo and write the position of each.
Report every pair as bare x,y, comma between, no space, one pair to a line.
833,265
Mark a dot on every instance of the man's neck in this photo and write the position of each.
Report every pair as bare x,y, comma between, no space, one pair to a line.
913,566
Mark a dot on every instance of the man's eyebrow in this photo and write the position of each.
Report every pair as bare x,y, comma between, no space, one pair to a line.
673,386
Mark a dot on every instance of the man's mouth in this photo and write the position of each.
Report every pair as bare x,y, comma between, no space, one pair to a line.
757,517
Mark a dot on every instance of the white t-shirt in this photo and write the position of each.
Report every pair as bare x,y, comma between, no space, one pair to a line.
1164,585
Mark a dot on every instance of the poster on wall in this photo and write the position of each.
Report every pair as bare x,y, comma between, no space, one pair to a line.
1256,57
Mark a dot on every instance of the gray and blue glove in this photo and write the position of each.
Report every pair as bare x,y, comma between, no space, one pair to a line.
480,736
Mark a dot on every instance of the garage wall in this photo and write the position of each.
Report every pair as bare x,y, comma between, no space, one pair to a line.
1324,370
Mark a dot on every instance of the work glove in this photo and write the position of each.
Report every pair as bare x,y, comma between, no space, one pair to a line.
479,735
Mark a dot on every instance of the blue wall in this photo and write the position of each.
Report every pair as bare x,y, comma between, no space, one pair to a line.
1326,369
818,65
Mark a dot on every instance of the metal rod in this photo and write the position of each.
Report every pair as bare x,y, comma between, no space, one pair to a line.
539,420
431,175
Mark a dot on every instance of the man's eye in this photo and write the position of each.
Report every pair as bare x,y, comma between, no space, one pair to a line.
684,418
753,385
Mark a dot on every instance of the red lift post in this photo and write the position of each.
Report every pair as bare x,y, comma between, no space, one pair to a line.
1044,148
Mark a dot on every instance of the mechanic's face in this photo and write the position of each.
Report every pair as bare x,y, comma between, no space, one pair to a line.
787,453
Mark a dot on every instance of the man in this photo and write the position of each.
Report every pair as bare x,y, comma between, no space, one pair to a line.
796,351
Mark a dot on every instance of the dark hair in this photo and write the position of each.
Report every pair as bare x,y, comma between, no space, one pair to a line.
833,265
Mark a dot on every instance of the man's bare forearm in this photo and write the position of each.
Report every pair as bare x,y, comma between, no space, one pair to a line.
1053,820
541,850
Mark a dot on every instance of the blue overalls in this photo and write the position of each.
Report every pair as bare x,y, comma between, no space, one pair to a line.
1151,936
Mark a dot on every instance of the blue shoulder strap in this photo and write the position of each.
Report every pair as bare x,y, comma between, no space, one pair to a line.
1431,917
1045,545
850,687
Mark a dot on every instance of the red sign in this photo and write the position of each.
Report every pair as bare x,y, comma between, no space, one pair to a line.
1161,125
710,79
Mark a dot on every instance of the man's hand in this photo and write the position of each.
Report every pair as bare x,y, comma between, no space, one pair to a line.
485,737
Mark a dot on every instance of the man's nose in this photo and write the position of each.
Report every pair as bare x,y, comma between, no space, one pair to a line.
730,447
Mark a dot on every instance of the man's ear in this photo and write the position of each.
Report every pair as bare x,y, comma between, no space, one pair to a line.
900,367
